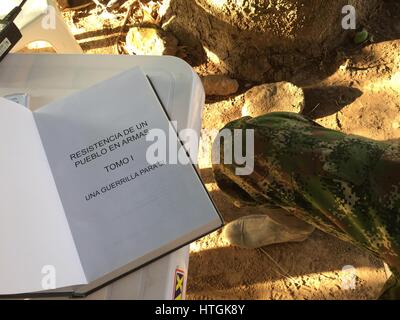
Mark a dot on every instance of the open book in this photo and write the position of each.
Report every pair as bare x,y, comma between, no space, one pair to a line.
81,204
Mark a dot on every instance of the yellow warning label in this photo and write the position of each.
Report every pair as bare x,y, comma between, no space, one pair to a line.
179,284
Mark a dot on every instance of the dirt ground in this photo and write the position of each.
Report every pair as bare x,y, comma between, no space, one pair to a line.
357,92
361,97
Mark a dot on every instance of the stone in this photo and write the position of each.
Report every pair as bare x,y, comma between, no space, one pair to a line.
273,97
219,85
150,41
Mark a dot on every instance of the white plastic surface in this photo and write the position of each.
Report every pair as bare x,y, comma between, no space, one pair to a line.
40,20
49,77
30,11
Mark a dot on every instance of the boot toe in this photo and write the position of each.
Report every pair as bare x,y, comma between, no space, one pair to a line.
233,233
257,231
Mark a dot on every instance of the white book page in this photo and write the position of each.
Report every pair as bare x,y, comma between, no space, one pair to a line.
130,213
35,239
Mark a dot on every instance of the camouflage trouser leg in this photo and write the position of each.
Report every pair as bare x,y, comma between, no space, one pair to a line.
345,185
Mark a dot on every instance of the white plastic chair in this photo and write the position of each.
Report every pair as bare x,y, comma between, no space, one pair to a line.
34,26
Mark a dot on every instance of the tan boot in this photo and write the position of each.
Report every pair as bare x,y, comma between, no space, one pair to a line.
259,230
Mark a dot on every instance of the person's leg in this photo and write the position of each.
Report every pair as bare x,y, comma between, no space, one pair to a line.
272,227
345,185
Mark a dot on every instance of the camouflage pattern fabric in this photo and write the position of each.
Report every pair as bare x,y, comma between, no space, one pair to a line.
345,185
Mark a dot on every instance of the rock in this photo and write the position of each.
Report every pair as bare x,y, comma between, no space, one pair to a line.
150,41
219,85
273,97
